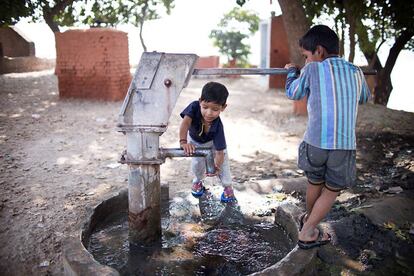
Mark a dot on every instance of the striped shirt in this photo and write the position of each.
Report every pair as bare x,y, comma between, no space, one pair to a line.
334,88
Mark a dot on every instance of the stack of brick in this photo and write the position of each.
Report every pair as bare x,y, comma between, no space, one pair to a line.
279,57
208,62
279,51
93,64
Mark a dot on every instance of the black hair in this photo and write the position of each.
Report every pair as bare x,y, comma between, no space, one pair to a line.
320,35
214,92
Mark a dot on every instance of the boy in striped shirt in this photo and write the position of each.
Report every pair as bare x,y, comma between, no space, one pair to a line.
334,88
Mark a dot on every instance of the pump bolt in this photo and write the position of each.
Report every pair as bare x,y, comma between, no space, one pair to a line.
167,82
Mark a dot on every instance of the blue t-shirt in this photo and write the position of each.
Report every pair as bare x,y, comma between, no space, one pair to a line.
334,88
215,133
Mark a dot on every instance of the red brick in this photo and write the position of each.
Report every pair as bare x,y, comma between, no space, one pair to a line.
279,51
89,66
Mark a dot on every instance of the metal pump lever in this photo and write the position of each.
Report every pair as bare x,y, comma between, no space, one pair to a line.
207,153
252,71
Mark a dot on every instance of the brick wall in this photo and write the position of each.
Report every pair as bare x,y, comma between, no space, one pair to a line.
13,43
279,57
208,62
93,64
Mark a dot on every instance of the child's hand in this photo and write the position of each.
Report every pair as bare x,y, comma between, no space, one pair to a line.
188,148
290,65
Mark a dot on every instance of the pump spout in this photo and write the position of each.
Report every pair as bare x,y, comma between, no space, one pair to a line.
207,153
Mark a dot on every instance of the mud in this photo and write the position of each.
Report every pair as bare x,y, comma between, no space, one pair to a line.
58,159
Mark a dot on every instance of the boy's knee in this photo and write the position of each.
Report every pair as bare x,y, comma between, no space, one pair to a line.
334,188
315,182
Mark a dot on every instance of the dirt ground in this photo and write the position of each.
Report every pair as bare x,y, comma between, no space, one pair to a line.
58,159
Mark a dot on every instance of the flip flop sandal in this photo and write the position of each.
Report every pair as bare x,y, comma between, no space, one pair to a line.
301,221
316,243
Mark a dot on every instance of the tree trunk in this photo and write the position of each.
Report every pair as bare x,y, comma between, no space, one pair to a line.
50,12
350,19
296,25
141,25
384,86
141,38
342,41
48,17
351,22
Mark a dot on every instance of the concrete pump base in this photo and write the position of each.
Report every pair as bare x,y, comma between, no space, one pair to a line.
78,261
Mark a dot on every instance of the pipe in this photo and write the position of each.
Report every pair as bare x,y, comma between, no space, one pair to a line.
144,210
252,71
144,157
207,153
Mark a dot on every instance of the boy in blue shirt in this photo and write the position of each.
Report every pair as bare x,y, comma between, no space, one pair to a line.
333,87
201,127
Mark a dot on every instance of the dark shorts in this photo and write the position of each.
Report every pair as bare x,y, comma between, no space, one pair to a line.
336,169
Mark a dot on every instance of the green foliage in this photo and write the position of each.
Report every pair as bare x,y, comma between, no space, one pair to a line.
231,44
12,10
241,2
392,17
233,30
111,13
375,22
381,20
89,12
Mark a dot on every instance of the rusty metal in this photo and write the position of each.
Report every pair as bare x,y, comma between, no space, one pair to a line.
167,82
127,128
207,153
124,160
144,203
146,103
144,116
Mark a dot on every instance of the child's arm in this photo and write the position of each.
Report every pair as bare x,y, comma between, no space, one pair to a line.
365,93
218,160
184,127
296,86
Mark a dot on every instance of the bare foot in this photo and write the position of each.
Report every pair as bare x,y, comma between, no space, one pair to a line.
313,235
320,239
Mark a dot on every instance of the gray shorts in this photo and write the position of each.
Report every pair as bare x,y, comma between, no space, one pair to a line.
198,165
336,169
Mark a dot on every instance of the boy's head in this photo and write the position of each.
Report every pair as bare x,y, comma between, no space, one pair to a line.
213,100
319,43
214,92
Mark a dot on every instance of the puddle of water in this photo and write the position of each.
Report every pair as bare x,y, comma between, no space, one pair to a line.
220,242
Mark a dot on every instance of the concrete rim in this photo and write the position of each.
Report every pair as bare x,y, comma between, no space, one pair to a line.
78,261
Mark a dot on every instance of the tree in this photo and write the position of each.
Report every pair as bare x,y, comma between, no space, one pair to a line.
13,10
296,25
92,13
136,12
370,25
375,23
234,28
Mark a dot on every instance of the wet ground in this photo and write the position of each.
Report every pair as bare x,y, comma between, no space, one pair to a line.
58,159
207,238
373,222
